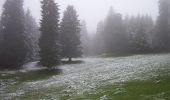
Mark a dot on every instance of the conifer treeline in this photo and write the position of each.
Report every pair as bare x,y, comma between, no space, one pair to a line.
21,40
134,34
13,50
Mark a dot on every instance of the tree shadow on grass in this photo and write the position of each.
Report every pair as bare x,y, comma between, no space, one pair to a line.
73,62
39,74
9,68
33,75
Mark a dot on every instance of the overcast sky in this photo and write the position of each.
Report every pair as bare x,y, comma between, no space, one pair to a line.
92,11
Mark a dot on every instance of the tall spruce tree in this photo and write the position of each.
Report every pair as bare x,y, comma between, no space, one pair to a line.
114,33
162,36
49,39
32,36
13,50
0,32
139,35
140,44
84,39
98,39
70,34
140,32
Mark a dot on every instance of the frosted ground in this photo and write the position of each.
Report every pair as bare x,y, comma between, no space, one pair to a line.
76,80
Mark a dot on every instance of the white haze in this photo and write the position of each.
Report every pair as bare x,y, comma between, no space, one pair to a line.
92,11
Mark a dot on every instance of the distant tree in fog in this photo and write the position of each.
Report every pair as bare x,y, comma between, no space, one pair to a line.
49,39
162,36
121,36
0,32
140,31
114,33
70,34
32,35
98,39
13,50
85,39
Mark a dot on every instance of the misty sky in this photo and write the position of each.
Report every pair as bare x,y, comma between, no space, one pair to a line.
92,11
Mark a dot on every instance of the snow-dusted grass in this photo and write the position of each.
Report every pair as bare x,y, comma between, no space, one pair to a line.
94,78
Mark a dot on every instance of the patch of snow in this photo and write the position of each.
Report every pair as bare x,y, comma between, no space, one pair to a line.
31,66
96,72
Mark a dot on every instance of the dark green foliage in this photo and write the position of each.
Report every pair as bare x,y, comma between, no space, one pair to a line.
162,36
13,50
49,40
70,34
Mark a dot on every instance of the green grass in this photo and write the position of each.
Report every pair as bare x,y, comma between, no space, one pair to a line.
152,89
155,88
115,55
31,75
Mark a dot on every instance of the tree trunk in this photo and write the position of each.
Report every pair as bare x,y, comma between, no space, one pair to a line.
69,59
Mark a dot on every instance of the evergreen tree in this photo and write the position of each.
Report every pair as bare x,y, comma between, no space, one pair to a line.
140,41
114,33
70,34
49,40
140,34
32,36
162,36
149,27
108,31
13,50
98,39
0,32
84,39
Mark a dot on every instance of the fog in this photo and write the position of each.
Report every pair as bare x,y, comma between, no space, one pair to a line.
85,49
92,11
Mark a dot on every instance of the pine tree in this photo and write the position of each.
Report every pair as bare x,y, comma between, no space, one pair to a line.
162,36
32,36
140,34
98,39
13,50
149,27
140,42
114,33
49,40
84,39
0,32
70,34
